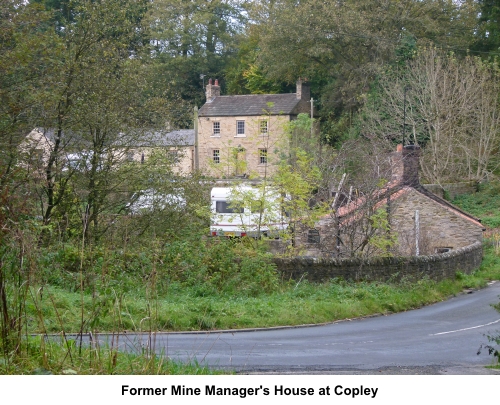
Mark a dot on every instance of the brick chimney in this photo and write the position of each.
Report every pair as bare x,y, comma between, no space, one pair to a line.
303,90
213,90
405,162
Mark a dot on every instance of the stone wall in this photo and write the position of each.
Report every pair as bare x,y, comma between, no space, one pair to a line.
452,190
436,267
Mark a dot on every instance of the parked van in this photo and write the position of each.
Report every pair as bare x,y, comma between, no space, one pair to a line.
247,211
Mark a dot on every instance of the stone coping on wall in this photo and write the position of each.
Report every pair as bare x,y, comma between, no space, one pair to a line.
436,267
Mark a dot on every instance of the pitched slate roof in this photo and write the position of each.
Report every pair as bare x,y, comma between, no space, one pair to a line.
254,104
449,206
134,138
68,138
348,213
179,137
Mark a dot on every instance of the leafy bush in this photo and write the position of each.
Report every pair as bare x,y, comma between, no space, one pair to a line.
221,265
211,266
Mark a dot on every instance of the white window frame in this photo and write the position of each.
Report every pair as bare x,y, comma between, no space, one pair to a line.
240,128
263,156
264,127
216,129
216,156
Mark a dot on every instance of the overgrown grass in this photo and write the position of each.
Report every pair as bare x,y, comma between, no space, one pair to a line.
200,284
184,285
55,310
39,355
190,308
484,204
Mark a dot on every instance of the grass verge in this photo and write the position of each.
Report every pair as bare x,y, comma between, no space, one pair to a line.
190,309
41,356
187,309
189,287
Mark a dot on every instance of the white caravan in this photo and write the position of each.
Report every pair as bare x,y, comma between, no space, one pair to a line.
237,211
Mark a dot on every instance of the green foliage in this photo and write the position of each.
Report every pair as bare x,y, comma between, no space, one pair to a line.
343,48
192,39
484,204
179,306
257,83
337,131
383,239
406,50
112,70
493,348
29,51
243,73
222,265
299,179
212,266
488,31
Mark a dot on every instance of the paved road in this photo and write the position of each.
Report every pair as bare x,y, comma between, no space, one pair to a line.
438,339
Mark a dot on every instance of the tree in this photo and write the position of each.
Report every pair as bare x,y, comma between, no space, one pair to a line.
341,46
300,176
449,106
164,205
28,52
94,103
193,38
244,74
488,30
361,214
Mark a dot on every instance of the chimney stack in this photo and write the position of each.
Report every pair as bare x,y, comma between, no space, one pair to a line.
303,90
213,90
405,164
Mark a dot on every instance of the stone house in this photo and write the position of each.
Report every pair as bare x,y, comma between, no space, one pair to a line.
178,145
136,146
35,148
242,135
421,222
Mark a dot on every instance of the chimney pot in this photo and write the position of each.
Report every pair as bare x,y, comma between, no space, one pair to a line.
212,91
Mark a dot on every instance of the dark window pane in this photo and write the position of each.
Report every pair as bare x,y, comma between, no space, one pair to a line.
313,236
222,207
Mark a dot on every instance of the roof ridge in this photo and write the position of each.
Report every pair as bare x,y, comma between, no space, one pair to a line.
257,94
421,189
398,190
